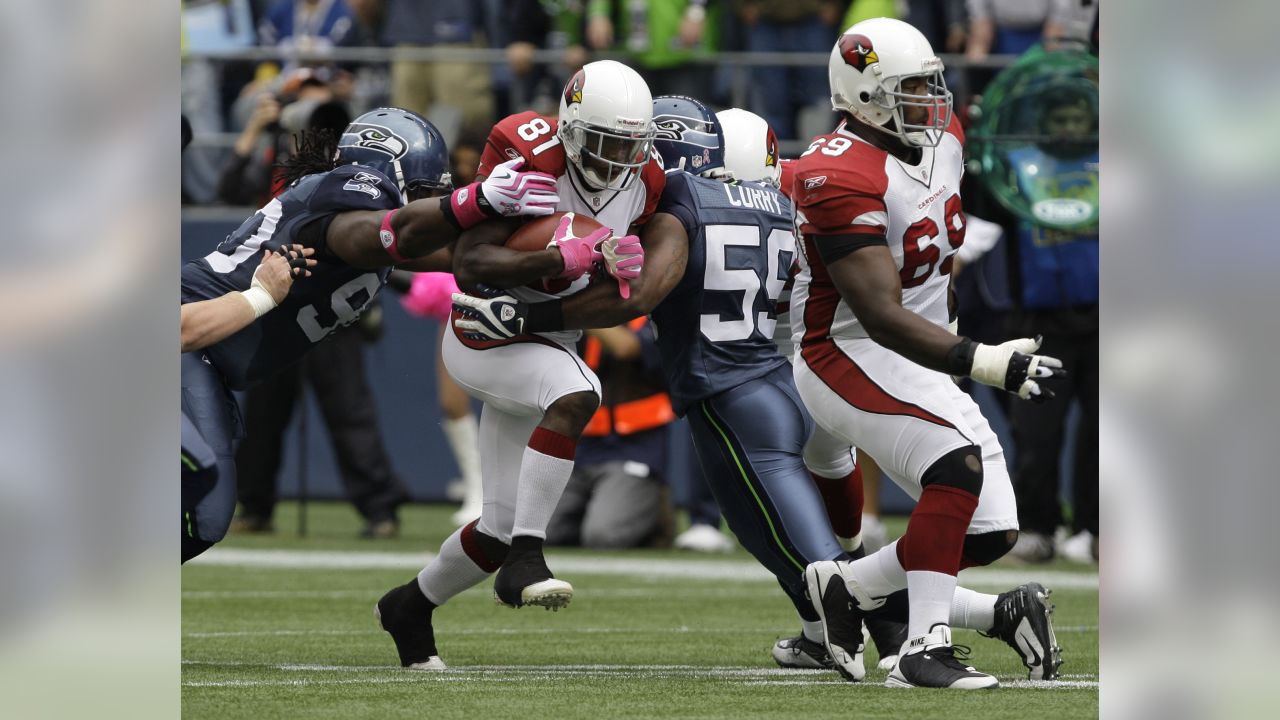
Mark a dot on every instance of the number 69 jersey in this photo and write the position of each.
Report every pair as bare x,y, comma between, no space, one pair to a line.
846,190
333,296
715,328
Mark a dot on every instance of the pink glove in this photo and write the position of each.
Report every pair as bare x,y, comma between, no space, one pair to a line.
623,259
505,192
578,253
431,295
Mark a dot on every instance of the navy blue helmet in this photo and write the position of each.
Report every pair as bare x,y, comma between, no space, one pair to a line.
401,145
689,136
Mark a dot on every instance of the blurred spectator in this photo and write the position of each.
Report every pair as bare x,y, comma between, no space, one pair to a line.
521,28
663,36
450,94
793,26
617,496
703,533
942,22
306,24
1013,26
336,373
304,99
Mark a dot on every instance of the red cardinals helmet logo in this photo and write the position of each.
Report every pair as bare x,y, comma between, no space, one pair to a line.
770,149
856,50
573,88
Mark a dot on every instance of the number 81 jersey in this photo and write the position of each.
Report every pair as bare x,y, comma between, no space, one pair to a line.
846,190
333,296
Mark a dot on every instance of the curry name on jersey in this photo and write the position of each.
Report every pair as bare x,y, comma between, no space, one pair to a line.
333,296
715,328
844,186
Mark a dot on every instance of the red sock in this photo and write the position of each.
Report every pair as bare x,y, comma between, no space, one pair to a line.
843,498
935,532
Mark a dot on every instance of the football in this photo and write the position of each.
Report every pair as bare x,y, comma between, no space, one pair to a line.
536,233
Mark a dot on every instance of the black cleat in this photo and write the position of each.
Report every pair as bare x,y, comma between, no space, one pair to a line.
938,665
802,653
1024,620
405,613
841,617
889,636
524,579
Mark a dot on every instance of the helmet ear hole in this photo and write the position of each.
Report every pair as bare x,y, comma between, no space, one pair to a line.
864,96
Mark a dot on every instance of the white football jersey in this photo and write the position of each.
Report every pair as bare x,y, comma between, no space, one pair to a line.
845,187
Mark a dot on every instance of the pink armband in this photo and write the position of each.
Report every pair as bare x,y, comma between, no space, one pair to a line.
465,203
387,237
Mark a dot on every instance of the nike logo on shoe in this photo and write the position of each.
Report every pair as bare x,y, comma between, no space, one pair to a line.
1028,644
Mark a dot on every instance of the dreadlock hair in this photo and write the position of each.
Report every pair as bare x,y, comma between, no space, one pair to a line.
315,151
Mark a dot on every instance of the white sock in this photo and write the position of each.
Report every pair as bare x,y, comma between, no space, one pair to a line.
812,630
450,572
462,435
542,482
973,610
880,573
850,544
930,594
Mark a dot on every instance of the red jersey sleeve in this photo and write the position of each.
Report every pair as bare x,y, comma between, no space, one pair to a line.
787,170
842,194
527,135
655,181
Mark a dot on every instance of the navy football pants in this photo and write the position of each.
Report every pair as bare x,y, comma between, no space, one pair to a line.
209,405
749,441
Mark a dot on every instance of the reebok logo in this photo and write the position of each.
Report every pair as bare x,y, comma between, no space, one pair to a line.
386,237
462,195
814,182
508,313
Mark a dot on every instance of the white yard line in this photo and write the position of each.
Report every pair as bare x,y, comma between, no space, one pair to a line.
675,568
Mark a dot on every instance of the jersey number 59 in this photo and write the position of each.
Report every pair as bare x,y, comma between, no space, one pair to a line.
780,246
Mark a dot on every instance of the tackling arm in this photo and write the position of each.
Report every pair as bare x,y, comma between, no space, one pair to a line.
210,321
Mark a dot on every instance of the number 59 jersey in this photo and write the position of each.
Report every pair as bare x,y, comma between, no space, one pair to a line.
333,296
715,328
847,191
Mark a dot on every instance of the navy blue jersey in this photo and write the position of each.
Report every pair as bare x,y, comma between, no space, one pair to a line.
333,296
715,329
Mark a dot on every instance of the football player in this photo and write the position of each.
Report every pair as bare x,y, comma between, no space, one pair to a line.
537,394
371,203
751,432
879,215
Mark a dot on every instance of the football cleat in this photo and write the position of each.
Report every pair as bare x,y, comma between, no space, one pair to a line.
1024,620
405,613
934,662
841,617
802,653
889,636
524,579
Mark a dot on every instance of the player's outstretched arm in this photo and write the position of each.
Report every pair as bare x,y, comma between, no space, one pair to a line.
666,252
370,239
480,258
867,279
209,321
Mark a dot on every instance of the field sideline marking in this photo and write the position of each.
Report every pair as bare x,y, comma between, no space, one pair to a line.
683,568
520,673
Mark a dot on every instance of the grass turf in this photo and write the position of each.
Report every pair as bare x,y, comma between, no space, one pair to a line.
286,643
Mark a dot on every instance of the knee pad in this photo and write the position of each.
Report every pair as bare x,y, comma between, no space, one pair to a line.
986,548
961,468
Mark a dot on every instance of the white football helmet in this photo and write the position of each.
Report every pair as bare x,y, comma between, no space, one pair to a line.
606,124
750,147
866,70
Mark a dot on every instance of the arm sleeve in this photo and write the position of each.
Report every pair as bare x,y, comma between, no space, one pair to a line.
833,247
655,183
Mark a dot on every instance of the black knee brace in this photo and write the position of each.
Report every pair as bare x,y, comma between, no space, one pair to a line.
961,468
986,548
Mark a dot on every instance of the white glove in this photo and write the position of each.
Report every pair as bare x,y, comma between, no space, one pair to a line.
506,192
1012,366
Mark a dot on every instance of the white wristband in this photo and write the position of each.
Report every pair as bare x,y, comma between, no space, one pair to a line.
259,299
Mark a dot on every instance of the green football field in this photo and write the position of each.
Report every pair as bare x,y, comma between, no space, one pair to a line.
277,626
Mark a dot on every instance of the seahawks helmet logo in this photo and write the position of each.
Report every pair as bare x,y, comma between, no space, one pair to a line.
857,51
374,137
679,128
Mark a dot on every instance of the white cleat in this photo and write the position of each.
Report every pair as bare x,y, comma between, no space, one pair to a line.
841,617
